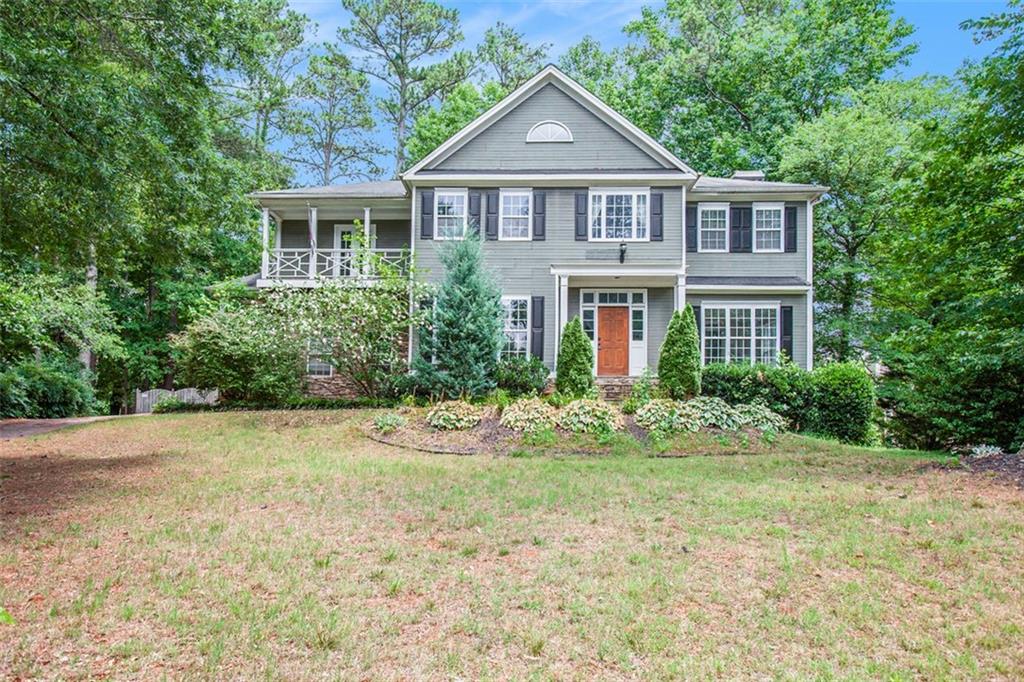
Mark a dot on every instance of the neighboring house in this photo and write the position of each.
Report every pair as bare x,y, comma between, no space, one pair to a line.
581,213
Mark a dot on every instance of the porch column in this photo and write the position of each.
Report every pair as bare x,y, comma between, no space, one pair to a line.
366,241
312,241
265,266
680,292
563,305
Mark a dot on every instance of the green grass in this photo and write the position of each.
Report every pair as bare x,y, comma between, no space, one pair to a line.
286,545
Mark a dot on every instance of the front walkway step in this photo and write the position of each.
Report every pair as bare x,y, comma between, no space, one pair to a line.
615,389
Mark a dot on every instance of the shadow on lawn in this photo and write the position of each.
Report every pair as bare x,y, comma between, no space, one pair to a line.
41,485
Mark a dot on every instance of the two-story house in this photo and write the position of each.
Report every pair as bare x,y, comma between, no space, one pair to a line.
581,213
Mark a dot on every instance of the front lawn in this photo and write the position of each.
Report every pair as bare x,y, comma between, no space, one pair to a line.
288,545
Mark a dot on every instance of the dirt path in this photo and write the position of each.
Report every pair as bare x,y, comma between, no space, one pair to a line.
20,428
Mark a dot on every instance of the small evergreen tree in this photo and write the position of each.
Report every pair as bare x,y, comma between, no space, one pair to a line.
574,374
679,364
466,327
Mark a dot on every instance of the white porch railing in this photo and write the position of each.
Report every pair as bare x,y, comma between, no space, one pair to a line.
286,264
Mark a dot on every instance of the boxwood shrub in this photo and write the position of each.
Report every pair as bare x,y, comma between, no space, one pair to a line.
522,376
843,402
785,389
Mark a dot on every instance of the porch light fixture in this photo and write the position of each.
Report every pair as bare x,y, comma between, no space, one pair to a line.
622,252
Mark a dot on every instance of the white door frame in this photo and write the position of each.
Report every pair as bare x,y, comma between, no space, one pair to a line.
637,349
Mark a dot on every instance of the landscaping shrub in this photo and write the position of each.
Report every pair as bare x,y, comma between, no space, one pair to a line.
453,415
715,412
170,405
785,389
760,418
640,394
522,375
499,397
293,403
529,415
589,416
45,390
844,400
14,402
679,362
667,416
458,354
389,421
574,373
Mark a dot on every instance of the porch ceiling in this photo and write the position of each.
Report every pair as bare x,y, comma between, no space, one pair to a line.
339,209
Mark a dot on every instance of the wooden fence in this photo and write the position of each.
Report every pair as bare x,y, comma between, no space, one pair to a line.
145,400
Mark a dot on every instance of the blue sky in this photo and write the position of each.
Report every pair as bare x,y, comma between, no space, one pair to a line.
942,46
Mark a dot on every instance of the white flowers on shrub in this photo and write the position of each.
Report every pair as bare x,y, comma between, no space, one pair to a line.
454,415
589,416
531,414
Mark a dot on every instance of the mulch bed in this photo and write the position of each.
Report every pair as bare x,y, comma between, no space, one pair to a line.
1006,467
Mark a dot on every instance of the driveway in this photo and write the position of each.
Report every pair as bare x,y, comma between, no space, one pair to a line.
19,428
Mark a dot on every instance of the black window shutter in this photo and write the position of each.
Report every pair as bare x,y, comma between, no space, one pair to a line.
581,216
741,239
474,211
539,220
790,237
537,327
492,214
786,331
427,214
691,228
696,316
657,222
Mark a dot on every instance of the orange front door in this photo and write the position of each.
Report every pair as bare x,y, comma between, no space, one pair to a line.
613,341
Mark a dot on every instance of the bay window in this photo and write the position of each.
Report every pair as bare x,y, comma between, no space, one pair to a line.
619,215
713,228
768,228
450,212
740,333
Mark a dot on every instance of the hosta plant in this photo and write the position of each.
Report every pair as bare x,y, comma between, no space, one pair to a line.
715,412
589,416
389,421
760,418
667,416
531,414
453,415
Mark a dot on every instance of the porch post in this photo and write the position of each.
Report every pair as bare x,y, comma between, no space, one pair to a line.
680,292
312,242
265,266
366,240
563,303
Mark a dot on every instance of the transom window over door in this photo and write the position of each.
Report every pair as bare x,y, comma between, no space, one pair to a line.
450,209
619,215
768,227
741,334
515,214
516,326
713,228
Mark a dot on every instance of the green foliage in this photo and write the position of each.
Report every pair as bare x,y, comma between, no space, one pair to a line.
45,390
640,394
453,415
679,362
513,60
667,416
785,388
389,421
715,413
433,126
670,416
465,333
844,402
761,418
529,415
170,405
589,416
574,373
522,375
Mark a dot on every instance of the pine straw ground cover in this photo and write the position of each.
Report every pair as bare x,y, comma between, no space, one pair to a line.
288,545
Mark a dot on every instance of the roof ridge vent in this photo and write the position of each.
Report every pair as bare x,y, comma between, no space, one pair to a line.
756,175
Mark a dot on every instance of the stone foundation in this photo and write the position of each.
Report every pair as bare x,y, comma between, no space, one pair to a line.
330,387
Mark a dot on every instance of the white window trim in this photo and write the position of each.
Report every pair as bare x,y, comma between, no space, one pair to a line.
780,206
706,305
501,214
438,191
309,355
529,321
700,225
604,191
561,125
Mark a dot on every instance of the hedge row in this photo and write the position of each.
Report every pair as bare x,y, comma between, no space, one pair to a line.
45,390
835,400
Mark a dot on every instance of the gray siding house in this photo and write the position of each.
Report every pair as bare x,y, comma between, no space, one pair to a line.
581,214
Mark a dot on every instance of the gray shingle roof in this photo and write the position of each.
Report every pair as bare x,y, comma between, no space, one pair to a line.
706,183
384,189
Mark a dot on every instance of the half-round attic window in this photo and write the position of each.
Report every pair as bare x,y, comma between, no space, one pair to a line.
549,131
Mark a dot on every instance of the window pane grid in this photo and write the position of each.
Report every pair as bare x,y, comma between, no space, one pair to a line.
619,216
768,229
713,229
451,216
516,327
588,323
515,216
741,335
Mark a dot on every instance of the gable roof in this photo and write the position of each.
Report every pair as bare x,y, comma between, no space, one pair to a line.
551,74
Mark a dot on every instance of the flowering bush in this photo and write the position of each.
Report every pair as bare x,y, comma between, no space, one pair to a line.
531,414
760,418
452,415
668,416
389,421
589,416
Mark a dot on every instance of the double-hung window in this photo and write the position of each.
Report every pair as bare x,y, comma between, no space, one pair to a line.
620,215
318,358
514,214
450,212
713,228
516,326
740,334
768,228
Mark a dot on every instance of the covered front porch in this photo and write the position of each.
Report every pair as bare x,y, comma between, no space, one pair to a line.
625,310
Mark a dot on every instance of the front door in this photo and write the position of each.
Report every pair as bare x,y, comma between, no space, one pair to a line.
613,340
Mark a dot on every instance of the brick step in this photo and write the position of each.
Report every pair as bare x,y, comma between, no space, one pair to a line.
615,389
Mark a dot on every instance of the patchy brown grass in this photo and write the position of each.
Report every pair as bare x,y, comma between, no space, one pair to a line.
288,545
